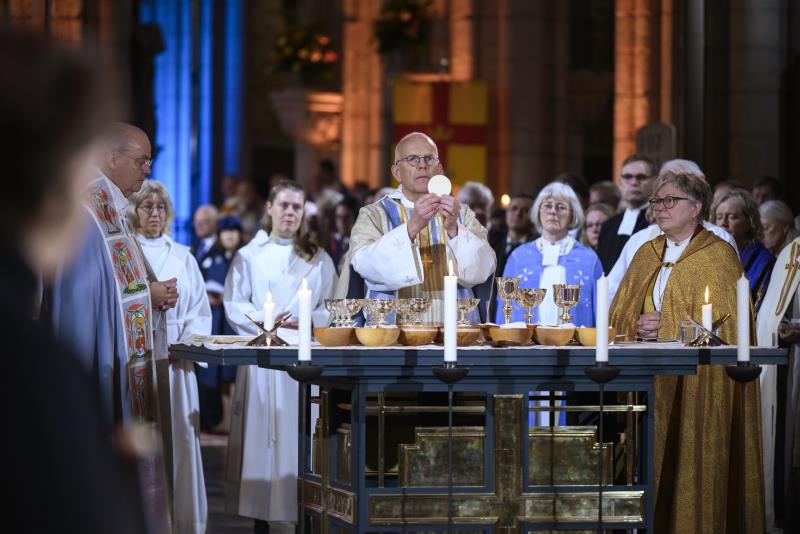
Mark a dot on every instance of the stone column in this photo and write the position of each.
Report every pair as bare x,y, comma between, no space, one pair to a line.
314,120
363,156
756,64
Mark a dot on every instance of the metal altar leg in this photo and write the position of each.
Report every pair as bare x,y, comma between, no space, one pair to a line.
601,373
358,429
450,458
381,440
743,373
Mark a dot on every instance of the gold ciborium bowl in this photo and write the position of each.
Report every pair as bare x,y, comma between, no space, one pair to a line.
334,337
529,298
587,336
371,336
509,336
413,336
464,306
349,308
554,335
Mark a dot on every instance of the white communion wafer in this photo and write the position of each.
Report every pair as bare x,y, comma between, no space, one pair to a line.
439,185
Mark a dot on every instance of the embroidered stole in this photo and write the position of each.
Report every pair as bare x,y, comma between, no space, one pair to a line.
133,295
432,247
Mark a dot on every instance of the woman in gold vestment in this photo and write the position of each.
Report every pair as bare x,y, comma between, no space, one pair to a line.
696,467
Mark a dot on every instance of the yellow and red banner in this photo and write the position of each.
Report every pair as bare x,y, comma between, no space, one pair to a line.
454,114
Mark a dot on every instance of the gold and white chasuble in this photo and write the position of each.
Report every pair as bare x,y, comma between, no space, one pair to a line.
394,266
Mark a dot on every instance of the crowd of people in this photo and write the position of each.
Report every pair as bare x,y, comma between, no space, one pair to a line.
118,290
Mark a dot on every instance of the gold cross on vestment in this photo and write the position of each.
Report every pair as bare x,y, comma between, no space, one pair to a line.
793,267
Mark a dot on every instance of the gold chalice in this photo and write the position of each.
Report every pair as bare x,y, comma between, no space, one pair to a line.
464,306
350,307
402,308
566,297
416,307
529,298
377,310
507,287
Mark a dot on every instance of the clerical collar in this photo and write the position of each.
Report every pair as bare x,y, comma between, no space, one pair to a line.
151,241
120,202
401,196
278,240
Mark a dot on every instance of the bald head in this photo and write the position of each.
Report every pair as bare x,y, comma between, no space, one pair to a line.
125,157
413,137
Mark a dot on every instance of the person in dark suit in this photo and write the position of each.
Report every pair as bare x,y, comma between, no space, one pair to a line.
63,472
519,230
636,186
205,230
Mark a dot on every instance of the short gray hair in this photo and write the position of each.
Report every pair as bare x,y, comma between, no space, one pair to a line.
477,189
149,188
559,191
693,186
681,166
778,212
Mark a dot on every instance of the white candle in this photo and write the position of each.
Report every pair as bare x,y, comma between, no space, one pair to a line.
708,316
304,322
269,312
743,320
450,296
601,350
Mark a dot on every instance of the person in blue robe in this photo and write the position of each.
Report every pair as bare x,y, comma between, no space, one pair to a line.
737,213
554,258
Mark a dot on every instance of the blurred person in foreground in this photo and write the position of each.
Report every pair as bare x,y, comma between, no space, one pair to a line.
675,166
778,222
696,466
64,473
150,215
737,213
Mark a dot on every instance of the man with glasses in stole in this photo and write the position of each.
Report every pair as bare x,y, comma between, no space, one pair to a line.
401,244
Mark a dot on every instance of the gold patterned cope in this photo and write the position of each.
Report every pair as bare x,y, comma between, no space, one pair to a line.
697,429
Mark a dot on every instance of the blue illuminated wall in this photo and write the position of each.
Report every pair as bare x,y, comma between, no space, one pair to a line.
184,99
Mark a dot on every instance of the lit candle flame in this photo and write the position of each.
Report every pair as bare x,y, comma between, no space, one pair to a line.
450,267
706,294
305,287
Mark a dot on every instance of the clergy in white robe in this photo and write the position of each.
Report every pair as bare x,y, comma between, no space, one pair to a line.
401,245
150,215
261,469
781,303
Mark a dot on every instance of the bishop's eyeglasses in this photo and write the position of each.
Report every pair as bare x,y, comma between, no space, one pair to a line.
140,162
668,202
414,159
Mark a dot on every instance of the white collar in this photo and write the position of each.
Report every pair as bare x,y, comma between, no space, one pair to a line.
564,244
680,245
159,241
398,194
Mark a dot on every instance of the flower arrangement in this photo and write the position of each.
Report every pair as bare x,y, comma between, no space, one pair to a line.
308,53
403,24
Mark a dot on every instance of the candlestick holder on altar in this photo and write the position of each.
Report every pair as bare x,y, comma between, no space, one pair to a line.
706,337
267,338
